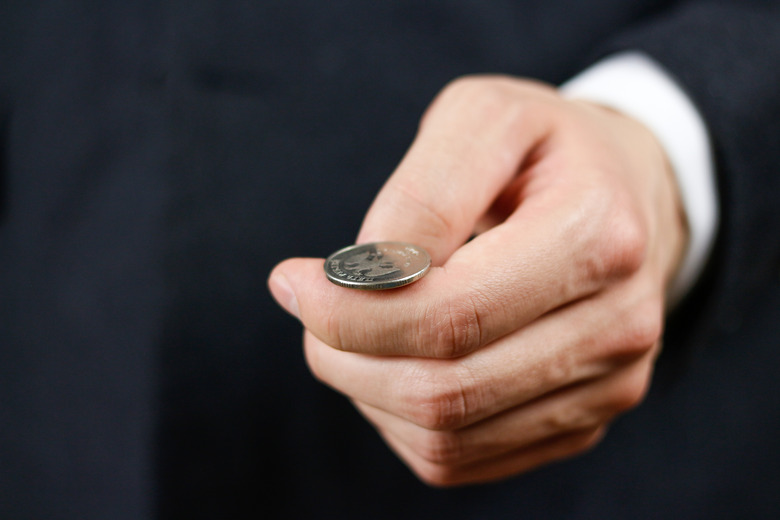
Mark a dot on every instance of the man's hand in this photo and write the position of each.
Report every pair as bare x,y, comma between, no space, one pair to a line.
522,344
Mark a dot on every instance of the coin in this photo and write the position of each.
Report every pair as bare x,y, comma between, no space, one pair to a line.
378,265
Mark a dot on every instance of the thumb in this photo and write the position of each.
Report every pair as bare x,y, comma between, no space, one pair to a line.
471,143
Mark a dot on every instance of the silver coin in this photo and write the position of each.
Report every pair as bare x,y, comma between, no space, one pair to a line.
378,265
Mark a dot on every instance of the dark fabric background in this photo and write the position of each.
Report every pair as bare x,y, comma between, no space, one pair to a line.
158,158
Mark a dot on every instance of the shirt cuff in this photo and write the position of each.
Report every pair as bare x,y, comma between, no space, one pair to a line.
633,83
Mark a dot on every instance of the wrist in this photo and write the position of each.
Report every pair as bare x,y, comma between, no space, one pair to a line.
637,86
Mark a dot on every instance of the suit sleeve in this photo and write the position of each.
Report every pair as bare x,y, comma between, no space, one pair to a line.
726,56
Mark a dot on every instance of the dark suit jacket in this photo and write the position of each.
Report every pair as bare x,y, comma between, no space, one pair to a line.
159,158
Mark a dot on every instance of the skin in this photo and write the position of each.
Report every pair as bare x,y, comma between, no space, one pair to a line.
521,345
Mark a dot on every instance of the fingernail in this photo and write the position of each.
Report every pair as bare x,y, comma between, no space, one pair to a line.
283,293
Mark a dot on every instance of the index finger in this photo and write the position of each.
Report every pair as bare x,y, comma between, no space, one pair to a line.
470,145
491,286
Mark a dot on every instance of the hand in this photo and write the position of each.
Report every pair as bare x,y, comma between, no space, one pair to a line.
522,344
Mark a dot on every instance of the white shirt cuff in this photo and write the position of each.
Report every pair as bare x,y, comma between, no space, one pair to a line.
636,85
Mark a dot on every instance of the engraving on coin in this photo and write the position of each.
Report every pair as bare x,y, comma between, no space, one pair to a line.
378,265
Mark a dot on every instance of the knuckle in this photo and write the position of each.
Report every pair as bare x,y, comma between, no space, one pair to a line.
437,401
559,371
586,440
610,234
477,87
451,330
629,393
430,222
645,327
440,476
577,443
439,447
565,419
626,244
500,99
641,329
621,245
